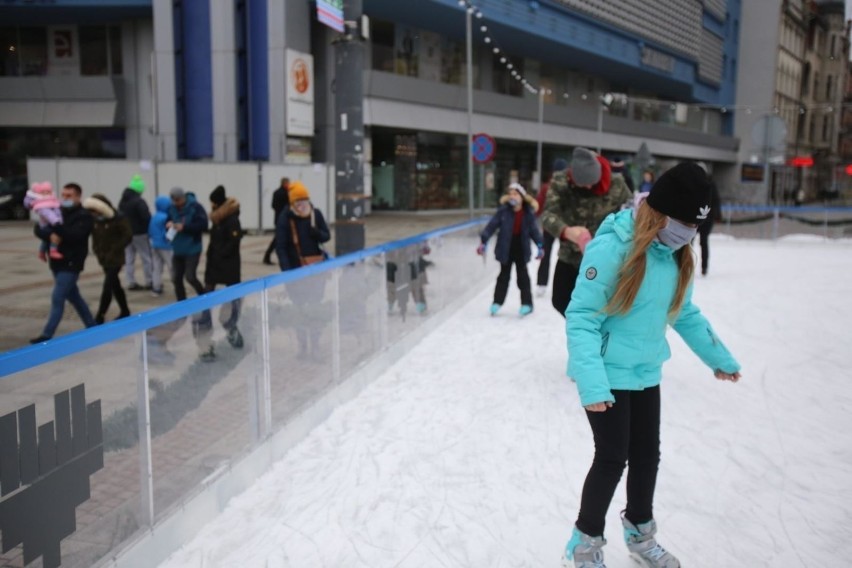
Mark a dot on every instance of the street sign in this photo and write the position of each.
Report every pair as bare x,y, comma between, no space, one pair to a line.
483,148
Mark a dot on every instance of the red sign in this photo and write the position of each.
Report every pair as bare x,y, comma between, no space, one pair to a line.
801,162
849,170
483,147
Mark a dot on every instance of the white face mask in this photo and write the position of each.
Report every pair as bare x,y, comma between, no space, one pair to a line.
675,235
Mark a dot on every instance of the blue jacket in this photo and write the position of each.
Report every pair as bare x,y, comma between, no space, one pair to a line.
504,220
157,226
627,351
194,219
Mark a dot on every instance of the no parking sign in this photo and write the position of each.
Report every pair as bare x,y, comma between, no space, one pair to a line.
483,148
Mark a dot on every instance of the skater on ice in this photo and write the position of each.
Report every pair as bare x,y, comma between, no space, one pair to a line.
516,226
635,280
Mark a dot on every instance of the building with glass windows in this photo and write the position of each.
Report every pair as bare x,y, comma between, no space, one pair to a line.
237,80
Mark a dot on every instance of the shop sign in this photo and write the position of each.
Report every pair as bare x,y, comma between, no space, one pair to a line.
300,93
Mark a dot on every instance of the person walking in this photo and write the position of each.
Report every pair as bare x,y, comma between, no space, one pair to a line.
161,247
299,236
577,201
223,258
543,275
72,238
111,233
187,221
136,210
516,226
635,280
280,201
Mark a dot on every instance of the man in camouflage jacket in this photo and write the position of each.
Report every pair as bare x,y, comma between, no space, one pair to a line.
577,202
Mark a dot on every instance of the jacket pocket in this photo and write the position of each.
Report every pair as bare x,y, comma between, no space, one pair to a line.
604,343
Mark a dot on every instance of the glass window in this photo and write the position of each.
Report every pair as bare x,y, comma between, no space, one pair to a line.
94,51
453,64
406,51
382,34
503,81
115,50
8,51
32,47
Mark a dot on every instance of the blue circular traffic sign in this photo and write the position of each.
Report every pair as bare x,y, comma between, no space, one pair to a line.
483,148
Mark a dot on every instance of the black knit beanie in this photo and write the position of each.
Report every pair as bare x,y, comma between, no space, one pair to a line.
682,193
217,196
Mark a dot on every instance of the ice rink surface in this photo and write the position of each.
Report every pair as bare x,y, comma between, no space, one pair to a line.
471,451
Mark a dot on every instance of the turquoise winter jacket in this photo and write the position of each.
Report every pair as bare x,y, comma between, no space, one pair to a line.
626,352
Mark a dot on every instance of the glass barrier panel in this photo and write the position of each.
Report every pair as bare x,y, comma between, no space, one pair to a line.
72,427
410,296
301,340
361,292
203,371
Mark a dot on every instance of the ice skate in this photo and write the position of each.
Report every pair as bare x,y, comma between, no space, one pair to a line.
644,548
494,309
525,310
584,551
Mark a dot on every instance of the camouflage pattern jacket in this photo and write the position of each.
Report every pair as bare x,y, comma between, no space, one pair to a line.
568,205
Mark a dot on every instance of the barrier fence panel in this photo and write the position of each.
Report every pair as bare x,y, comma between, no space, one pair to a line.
763,222
109,433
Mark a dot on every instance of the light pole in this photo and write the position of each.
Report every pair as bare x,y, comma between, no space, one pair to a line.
468,14
540,134
603,103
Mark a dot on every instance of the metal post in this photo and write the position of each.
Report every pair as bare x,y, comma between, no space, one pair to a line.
266,377
335,325
540,135
468,14
349,135
143,415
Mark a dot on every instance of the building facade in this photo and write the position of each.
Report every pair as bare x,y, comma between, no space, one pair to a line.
231,80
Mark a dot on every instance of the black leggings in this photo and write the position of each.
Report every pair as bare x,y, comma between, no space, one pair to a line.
627,432
704,240
564,278
516,257
112,287
186,267
544,263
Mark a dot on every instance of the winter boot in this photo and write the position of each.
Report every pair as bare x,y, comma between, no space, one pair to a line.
525,310
584,551
55,254
208,356
235,338
644,548
494,309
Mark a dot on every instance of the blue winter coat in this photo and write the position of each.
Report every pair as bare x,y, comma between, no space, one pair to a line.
626,352
503,221
194,219
157,226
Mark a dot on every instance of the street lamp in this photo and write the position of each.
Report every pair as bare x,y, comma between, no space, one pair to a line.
468,13
603,103
541,92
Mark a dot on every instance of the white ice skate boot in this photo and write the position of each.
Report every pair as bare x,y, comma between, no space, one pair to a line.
584,551
644,548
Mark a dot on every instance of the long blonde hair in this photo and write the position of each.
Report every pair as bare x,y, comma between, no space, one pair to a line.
647,224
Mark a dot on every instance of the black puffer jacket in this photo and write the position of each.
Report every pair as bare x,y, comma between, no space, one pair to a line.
136,210
223,250
310,235
75,230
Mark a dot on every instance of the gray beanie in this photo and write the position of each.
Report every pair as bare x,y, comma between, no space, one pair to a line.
585,168
177,193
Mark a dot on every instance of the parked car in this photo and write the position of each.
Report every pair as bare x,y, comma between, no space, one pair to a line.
12,192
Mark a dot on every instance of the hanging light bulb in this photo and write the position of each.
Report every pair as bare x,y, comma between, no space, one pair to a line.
496,50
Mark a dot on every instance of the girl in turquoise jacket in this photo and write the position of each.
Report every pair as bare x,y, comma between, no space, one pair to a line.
635,280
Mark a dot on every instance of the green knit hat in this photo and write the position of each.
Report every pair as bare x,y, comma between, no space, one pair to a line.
137,184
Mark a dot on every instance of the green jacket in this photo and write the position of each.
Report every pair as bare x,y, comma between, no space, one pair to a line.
568,205
109,239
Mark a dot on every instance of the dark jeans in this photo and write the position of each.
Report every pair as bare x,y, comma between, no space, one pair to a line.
112,287
267,257
564,279
516,257
65,288
627,432
544,263
186,267
703,239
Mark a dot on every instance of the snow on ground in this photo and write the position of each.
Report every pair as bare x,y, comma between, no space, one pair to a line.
471,451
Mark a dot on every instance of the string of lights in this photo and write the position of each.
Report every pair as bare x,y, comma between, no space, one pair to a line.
491,43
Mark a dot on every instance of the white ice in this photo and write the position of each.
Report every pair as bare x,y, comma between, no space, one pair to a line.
472,450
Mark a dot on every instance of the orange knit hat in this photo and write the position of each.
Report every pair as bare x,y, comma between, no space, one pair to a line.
297,191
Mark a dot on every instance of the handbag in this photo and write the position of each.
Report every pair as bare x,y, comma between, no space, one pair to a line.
311,258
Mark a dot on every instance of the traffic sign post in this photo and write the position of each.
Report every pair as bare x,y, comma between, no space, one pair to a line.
483,147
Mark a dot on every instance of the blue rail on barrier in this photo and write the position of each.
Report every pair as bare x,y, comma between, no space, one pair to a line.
25,358
786,209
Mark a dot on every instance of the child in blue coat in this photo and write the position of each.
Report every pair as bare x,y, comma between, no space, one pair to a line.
516,226
635,281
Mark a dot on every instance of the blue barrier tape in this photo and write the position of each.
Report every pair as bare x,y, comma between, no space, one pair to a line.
24,358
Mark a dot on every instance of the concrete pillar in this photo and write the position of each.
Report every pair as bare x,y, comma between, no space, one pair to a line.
165,115
224,69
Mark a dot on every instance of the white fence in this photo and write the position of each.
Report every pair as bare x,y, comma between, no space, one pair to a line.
251,183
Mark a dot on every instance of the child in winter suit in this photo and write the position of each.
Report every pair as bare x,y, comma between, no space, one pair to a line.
516,225
41,199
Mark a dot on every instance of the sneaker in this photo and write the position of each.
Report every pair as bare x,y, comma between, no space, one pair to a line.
156,292
584,551
208,356
525,310
420,307
39,339
644,548
494,309
540,291
123,315
99,319
135,287
235,338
